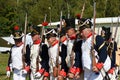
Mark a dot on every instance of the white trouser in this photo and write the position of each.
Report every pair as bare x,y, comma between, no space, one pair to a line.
107,64
112,76
52,77
33,71
17,75
90,75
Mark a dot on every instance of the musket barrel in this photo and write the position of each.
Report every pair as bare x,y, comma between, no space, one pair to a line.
93,30
24,46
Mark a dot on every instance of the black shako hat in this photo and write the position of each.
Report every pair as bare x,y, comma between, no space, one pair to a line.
36,30
84,23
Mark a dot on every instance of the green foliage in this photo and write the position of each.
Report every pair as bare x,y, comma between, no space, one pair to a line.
3,64
12,12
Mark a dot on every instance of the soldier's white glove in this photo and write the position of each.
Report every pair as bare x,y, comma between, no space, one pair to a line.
24,71
37,75
8,73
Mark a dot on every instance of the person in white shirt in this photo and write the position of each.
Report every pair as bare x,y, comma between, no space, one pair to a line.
19,60
94,64
53,55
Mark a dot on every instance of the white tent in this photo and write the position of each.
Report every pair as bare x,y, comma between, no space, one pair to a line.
4,49
98,21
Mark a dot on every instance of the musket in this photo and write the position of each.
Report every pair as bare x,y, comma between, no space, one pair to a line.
37,59
93,30
68,9
83,8
24,46
112,24
57,57
116,30
60,21
37,62
111,44
115,34
92,47
42,32
50,15
98,29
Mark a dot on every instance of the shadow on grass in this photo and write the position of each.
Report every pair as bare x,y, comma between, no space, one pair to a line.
4,77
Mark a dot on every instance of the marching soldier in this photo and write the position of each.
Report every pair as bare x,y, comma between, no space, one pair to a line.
71,34
71,45
73,53
111,48
93,62
45,59
53,55
76,72
20,61
38,56
63,54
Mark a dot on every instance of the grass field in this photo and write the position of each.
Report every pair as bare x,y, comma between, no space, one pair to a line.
3,65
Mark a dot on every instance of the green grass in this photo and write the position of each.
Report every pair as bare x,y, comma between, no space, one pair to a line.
3,65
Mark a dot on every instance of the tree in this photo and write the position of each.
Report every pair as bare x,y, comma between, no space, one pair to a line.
12,12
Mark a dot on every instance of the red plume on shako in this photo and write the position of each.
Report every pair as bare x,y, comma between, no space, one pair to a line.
16,28
78,16
44,23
